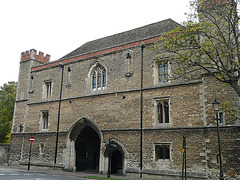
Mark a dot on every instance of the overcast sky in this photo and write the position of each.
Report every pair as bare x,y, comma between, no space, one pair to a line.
57,27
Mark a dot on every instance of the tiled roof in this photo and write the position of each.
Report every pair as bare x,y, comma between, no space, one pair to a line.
133,35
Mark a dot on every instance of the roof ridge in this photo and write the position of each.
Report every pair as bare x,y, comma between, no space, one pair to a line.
124,37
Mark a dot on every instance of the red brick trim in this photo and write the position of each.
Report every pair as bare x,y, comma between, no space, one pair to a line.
113,49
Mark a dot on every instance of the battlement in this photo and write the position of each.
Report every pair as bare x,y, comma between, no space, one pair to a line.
32,54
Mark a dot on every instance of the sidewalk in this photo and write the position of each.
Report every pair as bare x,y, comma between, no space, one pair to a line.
85,175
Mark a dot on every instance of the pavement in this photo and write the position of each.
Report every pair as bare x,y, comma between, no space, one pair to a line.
79,174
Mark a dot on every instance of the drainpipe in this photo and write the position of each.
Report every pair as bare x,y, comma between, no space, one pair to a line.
141,111
59,108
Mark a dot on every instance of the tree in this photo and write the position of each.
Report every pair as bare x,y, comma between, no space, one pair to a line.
7,101
207,44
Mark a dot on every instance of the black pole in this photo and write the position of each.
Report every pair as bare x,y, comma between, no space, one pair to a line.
184,159
59,108
29,159
109,157
141,111
183,165
219,148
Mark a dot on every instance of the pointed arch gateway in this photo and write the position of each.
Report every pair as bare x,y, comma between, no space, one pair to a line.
117,155
84,139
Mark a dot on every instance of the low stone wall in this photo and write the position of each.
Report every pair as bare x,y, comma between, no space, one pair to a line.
4,154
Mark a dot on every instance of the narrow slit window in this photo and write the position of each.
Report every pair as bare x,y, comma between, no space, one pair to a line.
47,89
45,120
221,117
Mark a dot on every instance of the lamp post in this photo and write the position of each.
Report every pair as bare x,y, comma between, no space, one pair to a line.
216,108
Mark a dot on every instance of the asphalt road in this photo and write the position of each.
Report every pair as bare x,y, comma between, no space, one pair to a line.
18,175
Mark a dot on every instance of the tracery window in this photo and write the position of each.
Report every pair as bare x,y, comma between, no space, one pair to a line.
98,78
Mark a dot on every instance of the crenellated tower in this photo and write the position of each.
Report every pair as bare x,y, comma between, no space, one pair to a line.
32,55
28,60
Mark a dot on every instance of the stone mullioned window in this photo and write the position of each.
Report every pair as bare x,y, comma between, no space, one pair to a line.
162,111
98,78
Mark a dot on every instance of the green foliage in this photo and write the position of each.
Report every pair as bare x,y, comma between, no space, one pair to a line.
7,101
207,44
232,107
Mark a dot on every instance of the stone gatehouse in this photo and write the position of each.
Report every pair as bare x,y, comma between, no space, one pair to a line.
92,96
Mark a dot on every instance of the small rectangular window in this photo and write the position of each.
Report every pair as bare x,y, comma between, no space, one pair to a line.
42,148
20,128
47,89
221,118
163,111
162,152
45,120
163,74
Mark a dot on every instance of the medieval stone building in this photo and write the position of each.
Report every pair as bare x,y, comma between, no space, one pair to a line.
93,95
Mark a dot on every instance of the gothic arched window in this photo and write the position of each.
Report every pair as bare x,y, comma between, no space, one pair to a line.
98,78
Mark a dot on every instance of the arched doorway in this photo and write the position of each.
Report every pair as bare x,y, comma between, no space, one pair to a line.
114,150
87,147
116,162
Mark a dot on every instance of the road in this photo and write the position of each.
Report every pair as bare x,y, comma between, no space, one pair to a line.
18,175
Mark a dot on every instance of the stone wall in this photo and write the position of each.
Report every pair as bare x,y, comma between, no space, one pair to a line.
4,154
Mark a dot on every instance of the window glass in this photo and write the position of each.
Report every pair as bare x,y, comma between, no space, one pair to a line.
166,111
220,117
47,90
99,81
160,72
45,120
163,74
99,78
162,152
94,81
104,79
162,111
